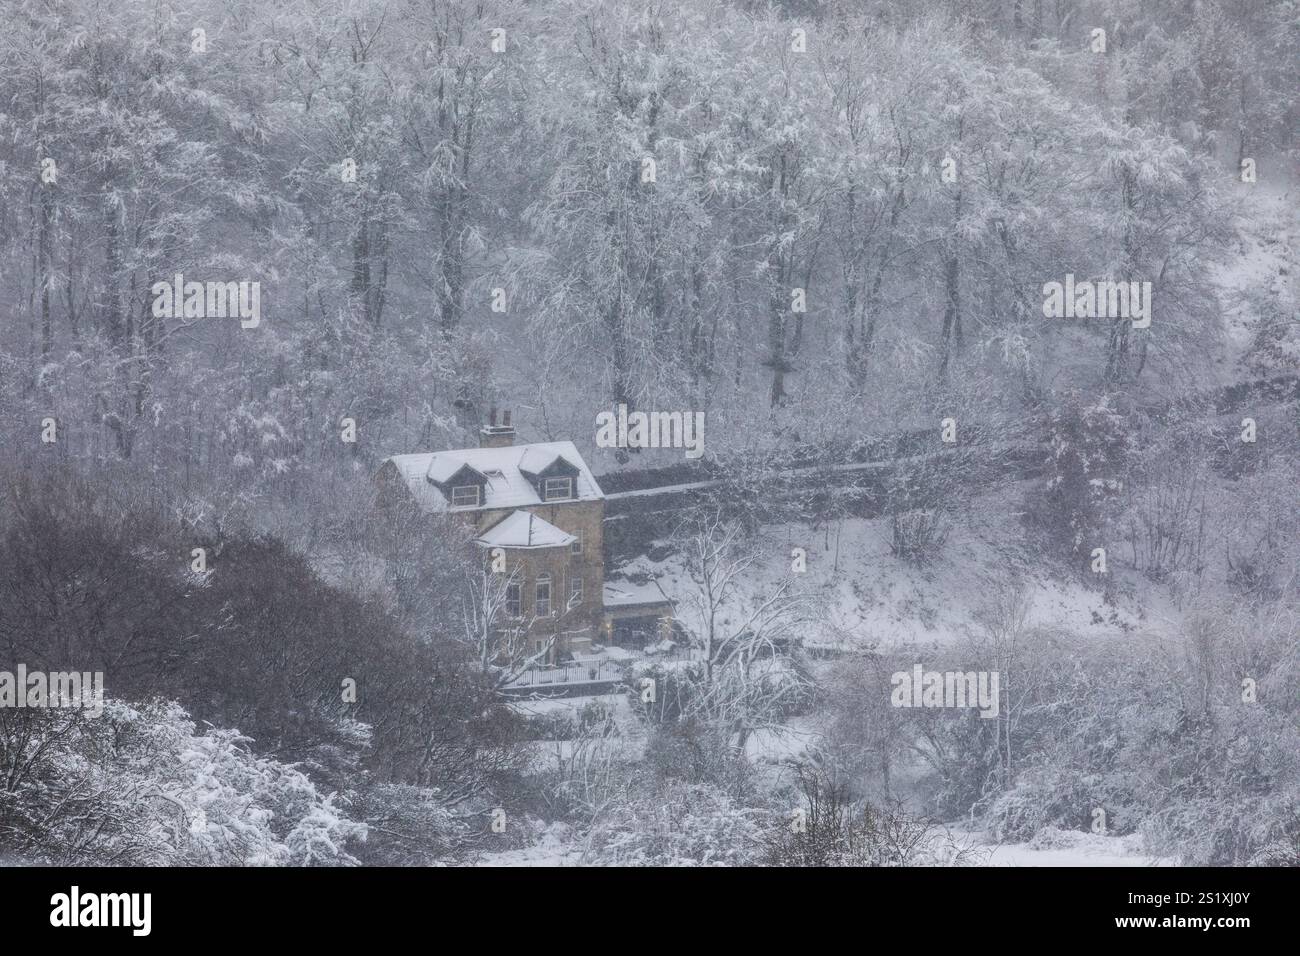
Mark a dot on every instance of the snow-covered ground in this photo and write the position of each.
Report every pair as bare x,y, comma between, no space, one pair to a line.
867,597
1053,847
1266,252
560,845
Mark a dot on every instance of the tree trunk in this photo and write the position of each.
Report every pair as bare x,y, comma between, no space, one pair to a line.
1117,343
44,254
951,336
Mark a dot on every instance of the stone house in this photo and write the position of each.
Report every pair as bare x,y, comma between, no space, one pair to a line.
539,513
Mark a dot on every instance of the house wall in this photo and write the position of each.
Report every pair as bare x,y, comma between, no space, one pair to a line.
391,490
575,517
573,630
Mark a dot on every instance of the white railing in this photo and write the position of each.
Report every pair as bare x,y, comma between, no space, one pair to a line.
678,653
575,673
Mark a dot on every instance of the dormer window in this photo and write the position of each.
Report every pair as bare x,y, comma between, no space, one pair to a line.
465,496
555,489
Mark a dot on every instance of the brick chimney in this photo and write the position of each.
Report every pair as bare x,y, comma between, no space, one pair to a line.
497,436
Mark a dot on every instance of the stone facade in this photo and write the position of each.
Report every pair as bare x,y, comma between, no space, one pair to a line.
572,627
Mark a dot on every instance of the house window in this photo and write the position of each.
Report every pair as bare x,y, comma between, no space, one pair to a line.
576,547
555,488
543,603
464,496
575,590
514,600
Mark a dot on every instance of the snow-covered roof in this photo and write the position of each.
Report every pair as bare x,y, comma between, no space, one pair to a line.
523,529
620,592
537,457
506,485
443,467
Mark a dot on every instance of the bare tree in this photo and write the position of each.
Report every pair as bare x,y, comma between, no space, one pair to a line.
500,641
1004,644
749,676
